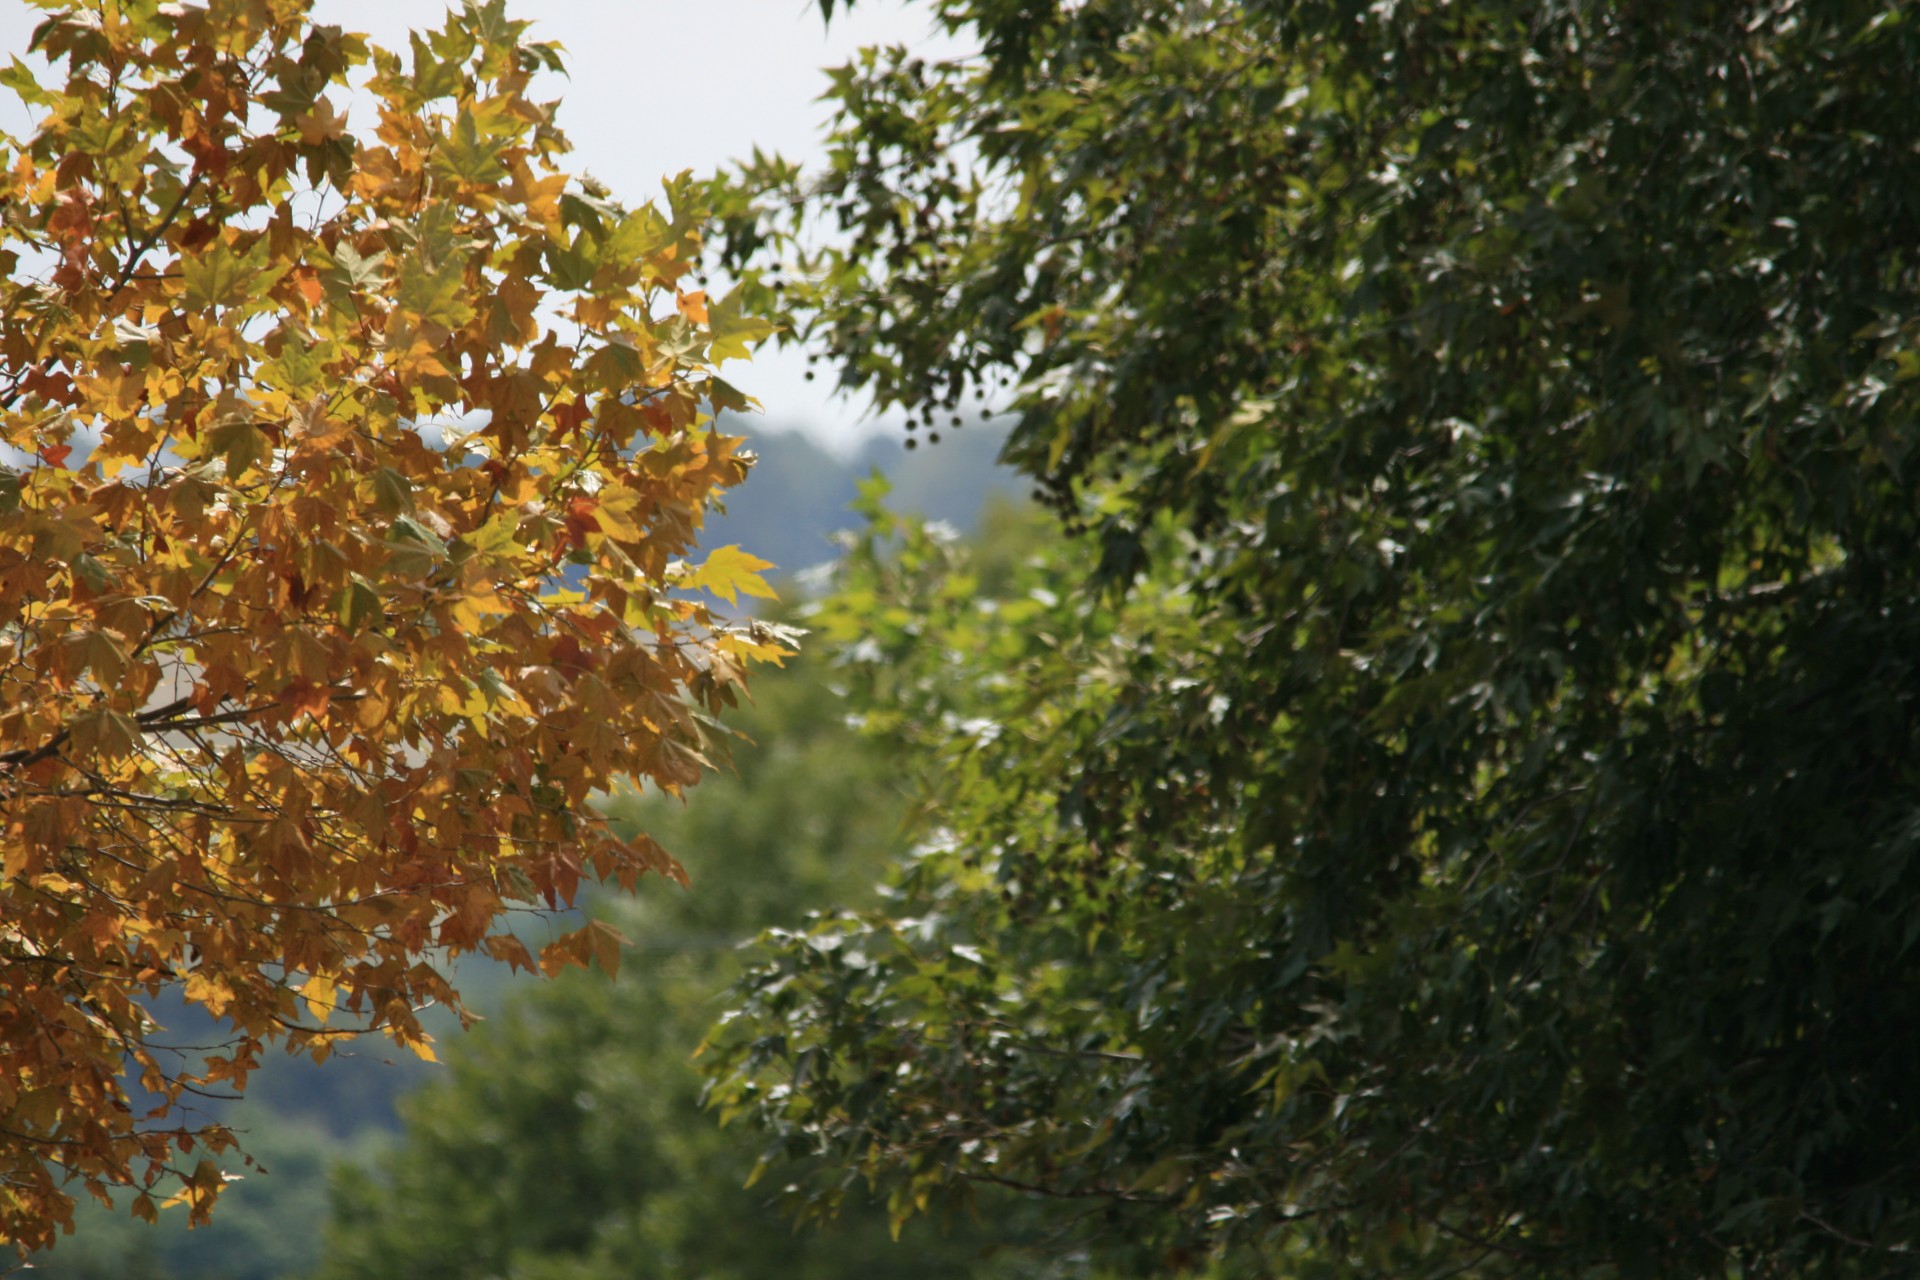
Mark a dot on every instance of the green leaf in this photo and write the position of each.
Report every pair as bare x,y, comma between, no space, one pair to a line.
91,571
219,277
433,292
735,334
360,605
19,77
353,272
392,492
242,444
298,368
408,530
469,153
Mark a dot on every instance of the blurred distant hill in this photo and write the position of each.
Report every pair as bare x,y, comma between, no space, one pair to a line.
798,493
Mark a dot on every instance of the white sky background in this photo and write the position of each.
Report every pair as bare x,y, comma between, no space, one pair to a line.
657,86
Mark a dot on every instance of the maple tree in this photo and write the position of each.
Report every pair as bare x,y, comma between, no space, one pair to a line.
348,483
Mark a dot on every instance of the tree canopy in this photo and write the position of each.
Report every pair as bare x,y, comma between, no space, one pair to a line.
347,482
1446,804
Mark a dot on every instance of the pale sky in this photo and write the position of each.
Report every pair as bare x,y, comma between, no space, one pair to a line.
656,86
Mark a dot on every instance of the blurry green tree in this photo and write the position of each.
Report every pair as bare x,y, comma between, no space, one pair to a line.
568,1139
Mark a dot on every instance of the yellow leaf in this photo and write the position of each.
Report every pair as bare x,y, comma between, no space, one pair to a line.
496,537
319,992
729,571
186,1195
473,608
615,513
321,123
211,990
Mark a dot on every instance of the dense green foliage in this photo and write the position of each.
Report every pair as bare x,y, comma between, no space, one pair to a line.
568,1139
1450,805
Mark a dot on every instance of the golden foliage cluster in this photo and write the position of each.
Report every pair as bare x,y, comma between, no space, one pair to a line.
348,483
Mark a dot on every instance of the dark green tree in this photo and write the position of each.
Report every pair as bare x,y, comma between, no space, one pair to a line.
1448,805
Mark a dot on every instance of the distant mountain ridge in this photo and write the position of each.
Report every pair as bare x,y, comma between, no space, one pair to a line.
798,493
